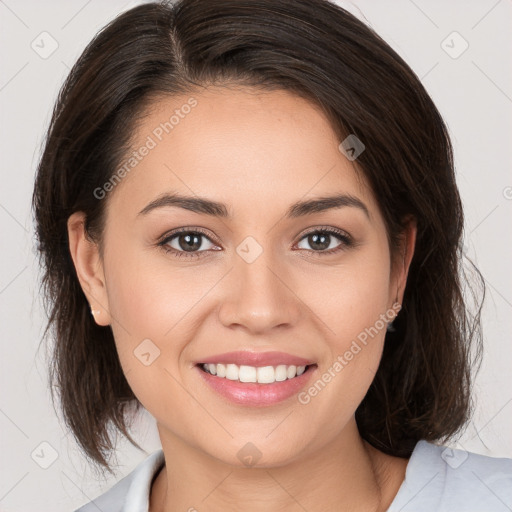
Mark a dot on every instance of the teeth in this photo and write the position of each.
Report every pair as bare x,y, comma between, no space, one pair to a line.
261,374
221,370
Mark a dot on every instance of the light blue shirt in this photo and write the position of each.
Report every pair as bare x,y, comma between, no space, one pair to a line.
437,479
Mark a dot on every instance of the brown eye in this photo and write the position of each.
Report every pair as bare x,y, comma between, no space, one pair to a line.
325,240
187,242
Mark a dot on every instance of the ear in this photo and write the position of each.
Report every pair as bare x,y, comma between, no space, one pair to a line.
404,258
89,268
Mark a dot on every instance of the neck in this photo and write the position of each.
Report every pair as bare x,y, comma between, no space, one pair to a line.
346,474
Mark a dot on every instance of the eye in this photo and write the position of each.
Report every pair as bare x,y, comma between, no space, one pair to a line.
186,242
192,242
326,240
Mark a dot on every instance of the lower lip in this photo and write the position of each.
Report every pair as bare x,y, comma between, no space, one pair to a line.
254,394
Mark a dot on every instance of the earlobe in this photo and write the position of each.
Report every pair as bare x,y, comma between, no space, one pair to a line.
89,268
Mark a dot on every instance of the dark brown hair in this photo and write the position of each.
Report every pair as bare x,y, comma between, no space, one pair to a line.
321,52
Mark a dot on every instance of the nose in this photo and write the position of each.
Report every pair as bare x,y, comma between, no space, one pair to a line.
259,297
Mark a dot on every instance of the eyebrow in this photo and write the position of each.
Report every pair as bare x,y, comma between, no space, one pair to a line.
205,206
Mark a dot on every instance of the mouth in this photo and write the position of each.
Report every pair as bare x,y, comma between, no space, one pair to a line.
255,386
255,374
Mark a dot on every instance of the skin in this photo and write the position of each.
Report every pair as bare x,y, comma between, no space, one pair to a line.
258,153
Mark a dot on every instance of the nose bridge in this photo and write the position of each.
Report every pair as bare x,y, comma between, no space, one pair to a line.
257,297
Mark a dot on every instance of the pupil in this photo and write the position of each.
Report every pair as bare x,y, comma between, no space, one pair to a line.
319,241
192,242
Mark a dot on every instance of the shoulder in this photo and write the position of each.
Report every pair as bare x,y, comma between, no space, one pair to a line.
445,479
134,489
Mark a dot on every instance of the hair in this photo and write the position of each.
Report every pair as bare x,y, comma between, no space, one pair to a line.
316,50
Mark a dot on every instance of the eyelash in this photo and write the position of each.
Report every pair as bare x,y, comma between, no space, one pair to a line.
346,240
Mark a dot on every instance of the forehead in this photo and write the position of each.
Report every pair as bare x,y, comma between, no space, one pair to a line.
237,145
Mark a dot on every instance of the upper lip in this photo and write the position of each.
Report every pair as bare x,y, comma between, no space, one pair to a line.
257,359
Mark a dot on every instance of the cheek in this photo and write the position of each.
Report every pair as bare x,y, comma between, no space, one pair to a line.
157,309
151,297
350,298
352,304
150,306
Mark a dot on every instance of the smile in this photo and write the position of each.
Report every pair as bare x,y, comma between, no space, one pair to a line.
261,375
255,386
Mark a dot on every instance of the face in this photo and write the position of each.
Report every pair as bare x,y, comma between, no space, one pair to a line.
182,282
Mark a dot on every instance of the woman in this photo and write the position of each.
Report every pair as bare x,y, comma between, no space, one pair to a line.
250,226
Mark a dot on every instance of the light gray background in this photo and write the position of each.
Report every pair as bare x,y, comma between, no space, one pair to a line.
473,93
